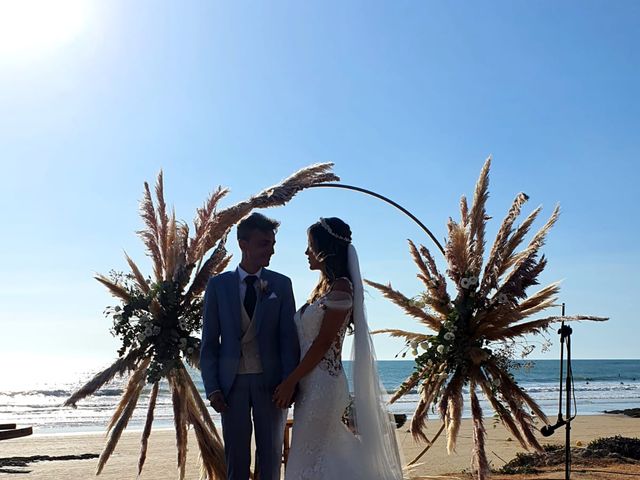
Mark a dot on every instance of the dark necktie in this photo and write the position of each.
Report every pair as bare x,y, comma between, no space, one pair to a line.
250,295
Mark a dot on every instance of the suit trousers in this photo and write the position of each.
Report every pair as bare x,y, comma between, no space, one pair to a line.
250,398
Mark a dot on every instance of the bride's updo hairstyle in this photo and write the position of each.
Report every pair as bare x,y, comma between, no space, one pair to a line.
331,238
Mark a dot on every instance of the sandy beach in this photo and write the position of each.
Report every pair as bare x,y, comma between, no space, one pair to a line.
161,459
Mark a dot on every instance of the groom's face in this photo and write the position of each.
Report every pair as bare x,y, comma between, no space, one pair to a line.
258,248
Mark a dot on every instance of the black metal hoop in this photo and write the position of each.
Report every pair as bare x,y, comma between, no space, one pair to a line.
390,202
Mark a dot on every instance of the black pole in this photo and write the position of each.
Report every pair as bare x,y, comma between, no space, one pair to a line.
560,419
390,202
565,337
567,446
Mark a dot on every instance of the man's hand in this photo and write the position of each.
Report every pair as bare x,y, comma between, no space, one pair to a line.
217,401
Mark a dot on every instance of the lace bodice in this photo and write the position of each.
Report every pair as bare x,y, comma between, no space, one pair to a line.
309,320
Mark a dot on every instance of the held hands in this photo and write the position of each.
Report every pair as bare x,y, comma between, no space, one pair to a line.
217,401
284,393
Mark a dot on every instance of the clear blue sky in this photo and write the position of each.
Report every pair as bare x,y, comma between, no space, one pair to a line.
407,98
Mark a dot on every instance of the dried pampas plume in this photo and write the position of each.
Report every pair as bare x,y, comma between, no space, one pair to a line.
172,298
490,308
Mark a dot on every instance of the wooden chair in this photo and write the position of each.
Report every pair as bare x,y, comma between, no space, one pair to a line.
10,430
287,441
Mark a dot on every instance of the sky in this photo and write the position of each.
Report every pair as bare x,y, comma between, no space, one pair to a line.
406,98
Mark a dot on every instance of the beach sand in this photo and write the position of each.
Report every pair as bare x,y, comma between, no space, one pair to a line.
161,459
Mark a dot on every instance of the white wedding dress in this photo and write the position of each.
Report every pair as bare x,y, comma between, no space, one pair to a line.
322,447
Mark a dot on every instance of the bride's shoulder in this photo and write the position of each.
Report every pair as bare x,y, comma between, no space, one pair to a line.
342,284
303,308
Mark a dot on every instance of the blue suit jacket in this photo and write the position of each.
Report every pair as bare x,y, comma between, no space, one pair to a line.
221,332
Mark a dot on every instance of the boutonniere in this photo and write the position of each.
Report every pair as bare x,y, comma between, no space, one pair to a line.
264,285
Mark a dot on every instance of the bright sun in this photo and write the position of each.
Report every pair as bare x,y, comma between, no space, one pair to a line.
30,28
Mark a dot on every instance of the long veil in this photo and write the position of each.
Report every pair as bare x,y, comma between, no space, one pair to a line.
372,419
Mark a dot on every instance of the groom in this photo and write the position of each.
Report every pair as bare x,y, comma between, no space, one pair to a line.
249,345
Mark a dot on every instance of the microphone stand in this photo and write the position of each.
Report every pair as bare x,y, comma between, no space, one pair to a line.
565,338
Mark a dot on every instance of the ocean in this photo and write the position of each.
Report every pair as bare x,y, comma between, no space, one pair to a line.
599,385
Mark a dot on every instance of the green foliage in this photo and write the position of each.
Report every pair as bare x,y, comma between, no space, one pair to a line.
618,445
159,322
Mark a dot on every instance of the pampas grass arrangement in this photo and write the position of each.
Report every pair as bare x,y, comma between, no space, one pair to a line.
491,309
159,317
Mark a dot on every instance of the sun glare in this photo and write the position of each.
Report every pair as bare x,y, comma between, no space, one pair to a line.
31,28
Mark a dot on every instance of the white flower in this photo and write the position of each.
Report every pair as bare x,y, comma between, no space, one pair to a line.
464,283
414,352
440,349
414,344
449,336
473,280
117,308
141,337
496,382
429,362
148,332
424,345
263,285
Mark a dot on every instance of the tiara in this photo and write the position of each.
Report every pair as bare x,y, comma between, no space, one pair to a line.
328,228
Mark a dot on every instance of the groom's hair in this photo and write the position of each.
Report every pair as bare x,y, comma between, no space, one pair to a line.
256,221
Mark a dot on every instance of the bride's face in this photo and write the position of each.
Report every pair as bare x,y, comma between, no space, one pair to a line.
314,263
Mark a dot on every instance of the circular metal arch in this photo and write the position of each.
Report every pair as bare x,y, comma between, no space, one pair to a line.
390,202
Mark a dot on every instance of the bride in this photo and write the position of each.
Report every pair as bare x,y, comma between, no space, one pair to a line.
322,447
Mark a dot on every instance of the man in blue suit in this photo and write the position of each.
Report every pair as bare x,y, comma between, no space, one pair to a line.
249,345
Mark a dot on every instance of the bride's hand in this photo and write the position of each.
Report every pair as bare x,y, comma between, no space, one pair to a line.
283,394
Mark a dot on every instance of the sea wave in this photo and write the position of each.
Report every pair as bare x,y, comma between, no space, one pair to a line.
601,385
